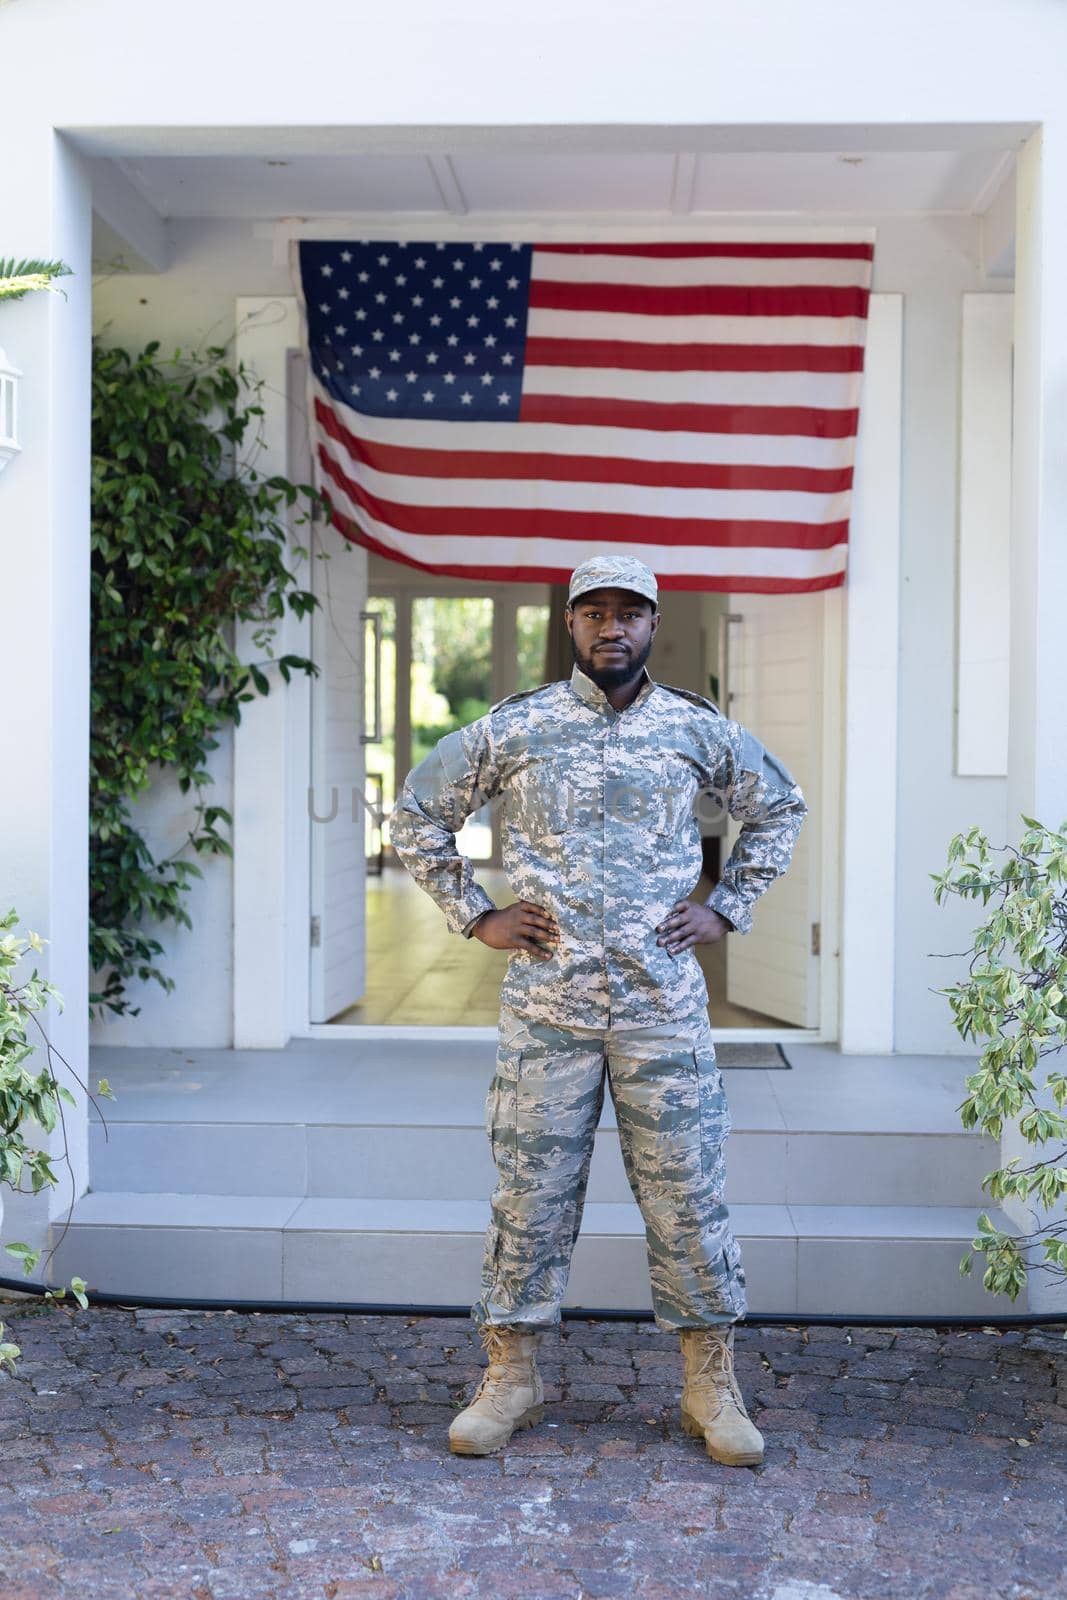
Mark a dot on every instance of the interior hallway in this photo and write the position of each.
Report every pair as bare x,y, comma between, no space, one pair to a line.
419,973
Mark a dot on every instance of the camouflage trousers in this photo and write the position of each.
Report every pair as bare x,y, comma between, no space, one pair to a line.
542,1110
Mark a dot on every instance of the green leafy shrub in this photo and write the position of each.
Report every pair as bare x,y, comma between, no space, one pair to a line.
1015,999
187,540
27,1096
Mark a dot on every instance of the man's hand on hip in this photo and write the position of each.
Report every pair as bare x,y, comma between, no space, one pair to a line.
522,926
691,923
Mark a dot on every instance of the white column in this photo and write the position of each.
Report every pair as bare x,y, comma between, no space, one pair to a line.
1037,743
872,667
44,621
1037,736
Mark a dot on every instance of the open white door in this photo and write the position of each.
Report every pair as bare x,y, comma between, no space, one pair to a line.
338,851
773,676
337,935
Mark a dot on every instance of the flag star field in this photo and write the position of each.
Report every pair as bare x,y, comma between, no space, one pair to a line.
405,330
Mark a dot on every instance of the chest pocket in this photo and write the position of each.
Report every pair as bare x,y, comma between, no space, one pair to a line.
655,798
536,803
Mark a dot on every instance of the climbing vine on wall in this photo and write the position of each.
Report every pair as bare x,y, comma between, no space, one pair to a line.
187,541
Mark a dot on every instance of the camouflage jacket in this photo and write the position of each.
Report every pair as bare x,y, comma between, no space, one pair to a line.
600,827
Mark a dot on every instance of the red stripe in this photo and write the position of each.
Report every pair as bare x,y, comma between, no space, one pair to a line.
462,522
759,252
751,585
701,299
548,467
812,422
504,574
693,357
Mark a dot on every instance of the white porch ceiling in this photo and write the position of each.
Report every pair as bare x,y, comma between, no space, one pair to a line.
634,176
484,182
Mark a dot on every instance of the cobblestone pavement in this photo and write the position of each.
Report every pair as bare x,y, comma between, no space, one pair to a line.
207,1455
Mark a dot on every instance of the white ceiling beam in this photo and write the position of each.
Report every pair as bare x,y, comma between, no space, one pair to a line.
685,177
448,184
279,142
126,211
997,229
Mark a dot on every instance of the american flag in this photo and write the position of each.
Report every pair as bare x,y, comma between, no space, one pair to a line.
504,411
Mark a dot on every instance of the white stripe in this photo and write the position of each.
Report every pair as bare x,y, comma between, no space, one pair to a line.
559,438
693,271
617,499
832,390
500,550
552,324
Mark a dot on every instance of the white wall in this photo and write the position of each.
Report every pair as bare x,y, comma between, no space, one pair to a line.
199,1011
44,635
931,261
122,63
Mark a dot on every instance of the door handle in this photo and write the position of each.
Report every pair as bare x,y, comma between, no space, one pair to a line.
726,619
375,618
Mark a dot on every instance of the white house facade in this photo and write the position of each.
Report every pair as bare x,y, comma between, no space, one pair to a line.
931,695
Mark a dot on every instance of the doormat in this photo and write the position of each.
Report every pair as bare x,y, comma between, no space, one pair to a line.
767,1057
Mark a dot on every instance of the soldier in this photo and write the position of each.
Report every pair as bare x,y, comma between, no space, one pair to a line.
599,775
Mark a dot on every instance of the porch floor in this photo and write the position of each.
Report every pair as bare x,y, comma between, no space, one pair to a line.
315,1080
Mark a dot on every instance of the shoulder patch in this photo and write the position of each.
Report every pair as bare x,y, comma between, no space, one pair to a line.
691,694
520,694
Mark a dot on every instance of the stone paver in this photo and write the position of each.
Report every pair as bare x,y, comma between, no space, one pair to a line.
191,1455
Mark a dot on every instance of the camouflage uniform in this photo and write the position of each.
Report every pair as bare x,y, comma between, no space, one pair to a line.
600,829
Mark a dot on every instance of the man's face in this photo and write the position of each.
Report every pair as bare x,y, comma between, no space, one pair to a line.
611,634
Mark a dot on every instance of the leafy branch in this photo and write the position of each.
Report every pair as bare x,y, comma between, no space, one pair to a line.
1015,998
23,277
27,1096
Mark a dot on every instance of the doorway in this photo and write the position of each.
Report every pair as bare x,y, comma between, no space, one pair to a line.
447,653
446,650
449,649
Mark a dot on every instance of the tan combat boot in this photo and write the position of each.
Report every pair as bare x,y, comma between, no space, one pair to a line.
510,1395
712,1407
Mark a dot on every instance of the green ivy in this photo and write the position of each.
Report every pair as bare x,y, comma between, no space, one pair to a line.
187,540
1014,998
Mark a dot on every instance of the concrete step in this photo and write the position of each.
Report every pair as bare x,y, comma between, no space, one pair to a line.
398,1162
802,1259
360,1173
328,1121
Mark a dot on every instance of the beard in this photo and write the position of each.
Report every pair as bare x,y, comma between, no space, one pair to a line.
608,674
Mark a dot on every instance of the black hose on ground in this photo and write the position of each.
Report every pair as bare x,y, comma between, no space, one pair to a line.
834,1319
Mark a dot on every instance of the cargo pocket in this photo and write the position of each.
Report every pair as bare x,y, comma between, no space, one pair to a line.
502,1110
715,1119
732,1256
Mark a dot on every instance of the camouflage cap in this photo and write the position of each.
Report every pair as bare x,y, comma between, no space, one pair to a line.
613,572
